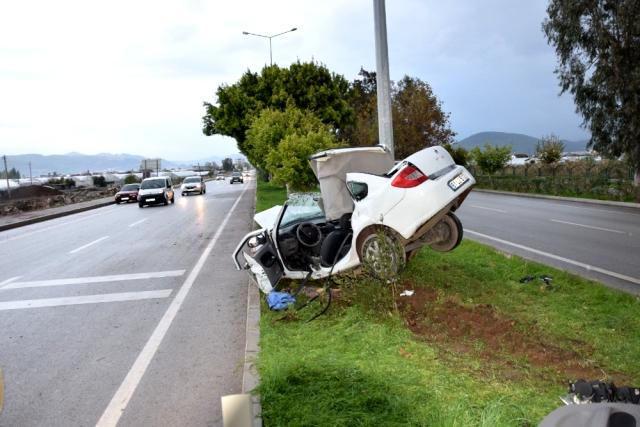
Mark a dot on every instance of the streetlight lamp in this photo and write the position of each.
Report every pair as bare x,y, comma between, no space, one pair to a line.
246,33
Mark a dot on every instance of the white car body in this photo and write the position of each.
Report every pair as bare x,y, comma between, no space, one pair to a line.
362,193
193,184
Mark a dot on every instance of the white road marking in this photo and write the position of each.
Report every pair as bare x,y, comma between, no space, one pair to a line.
588,226
93,279
138,222
51,227
88,244
8,281
489,209
87,299
559,258
121,398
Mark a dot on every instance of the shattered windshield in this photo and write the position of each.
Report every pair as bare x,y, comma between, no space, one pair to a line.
302,207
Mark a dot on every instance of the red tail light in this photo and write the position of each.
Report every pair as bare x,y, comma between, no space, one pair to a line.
410,176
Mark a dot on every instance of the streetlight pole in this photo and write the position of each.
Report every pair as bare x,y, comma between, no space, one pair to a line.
385,124
246,33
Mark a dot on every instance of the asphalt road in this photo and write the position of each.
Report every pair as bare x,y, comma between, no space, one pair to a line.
127,315
598,242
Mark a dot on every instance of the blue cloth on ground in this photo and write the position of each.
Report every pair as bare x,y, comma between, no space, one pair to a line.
279,300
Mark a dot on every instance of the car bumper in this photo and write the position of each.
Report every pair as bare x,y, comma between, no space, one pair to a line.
191,190
131,198
422,203
151,199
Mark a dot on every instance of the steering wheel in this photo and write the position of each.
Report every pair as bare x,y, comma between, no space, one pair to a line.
309,234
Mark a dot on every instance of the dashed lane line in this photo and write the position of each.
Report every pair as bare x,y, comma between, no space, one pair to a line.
86,299
83,247
587,226
121,398
12,284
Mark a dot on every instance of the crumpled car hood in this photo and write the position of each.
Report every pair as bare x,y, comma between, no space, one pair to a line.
267,219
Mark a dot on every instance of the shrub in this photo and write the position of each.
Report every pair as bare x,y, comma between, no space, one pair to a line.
549,149
492,158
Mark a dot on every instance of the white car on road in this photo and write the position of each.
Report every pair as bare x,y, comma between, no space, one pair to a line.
193,184
369,211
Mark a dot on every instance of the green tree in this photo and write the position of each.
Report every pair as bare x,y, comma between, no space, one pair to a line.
99,181
492,158
288,163
308,86
227,164
131,179
549,149
598,47
418,118
460,154
13,174
272,126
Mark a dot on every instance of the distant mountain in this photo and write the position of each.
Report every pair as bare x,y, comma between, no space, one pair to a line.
520,143
78,163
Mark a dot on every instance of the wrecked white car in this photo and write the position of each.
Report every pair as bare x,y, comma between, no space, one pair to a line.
369,212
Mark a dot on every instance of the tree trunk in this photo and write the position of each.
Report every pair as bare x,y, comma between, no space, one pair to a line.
636,183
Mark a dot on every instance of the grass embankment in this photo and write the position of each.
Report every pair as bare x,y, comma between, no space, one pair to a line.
472,346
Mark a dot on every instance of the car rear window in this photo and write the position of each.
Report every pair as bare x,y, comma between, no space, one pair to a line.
130,187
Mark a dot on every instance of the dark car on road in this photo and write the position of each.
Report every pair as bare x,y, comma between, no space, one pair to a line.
128,193
236,177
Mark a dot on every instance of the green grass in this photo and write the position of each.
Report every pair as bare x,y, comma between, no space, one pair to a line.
268,195
360,365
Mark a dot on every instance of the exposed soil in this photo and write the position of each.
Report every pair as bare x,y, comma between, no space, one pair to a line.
30,192
25,199
495,339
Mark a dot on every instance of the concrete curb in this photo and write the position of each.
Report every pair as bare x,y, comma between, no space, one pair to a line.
250,377
55,215
567,199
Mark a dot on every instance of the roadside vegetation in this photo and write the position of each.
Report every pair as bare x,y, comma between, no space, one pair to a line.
472,345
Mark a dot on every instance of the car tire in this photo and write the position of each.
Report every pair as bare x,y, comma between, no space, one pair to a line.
454,236
173,199
382,255
182,194
166,202
141,205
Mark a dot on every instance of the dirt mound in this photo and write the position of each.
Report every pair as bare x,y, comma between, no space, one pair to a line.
493,338
43,197
30,192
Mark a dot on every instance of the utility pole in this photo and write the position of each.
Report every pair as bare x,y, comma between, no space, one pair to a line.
385,123
30,175
6,175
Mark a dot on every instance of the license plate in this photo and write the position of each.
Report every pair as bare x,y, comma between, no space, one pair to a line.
458,181
151,200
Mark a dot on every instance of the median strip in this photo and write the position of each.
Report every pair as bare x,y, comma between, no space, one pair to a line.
558,258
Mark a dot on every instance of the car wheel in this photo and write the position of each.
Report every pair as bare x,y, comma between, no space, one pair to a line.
182,194
173,199
166,201
382,254
452,231
141,205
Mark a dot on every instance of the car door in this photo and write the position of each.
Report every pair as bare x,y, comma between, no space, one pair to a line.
257,252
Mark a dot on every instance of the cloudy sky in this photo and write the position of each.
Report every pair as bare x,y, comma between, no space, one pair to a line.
130,76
